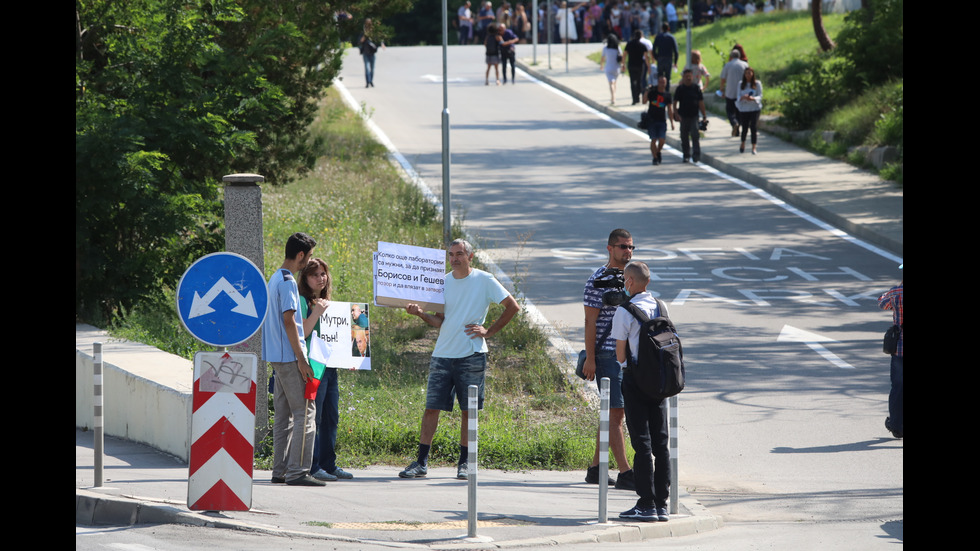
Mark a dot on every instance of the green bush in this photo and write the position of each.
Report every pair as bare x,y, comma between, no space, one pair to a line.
817,90
889,128
873,38
869,53
170,95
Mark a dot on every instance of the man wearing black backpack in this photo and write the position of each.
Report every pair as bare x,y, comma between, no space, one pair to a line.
646,418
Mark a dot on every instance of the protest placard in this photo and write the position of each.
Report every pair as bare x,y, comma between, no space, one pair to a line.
344,340
406,274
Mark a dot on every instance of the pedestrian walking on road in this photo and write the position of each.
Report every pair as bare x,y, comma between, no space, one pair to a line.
612,64
508,53
749,105
465,17
665,52
701,74
659,112
688,101
493,44
731,77
892,300
368,45
637,63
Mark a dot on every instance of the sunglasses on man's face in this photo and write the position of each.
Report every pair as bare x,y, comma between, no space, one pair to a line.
625,247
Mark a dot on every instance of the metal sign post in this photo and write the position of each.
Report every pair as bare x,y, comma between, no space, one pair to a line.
98,445
603,448
471,460
673,424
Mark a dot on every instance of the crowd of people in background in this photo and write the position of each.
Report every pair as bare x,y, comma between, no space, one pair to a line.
593,21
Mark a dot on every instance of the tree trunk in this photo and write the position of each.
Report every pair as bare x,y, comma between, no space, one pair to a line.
826,44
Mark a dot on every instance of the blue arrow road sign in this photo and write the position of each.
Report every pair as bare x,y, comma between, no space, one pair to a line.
222,298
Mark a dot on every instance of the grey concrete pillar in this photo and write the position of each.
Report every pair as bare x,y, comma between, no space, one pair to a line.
243,235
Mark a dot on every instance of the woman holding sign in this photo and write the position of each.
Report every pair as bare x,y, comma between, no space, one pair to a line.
314,287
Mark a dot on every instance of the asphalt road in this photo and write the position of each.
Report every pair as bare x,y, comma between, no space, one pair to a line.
782,417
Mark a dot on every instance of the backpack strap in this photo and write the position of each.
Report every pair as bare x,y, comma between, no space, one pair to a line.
637,312
641,317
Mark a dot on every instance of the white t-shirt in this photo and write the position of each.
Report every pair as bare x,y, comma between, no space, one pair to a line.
626,327
467,302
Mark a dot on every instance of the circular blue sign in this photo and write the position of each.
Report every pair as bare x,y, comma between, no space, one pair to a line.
222,299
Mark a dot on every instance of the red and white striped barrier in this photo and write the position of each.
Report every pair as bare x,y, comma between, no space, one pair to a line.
222,432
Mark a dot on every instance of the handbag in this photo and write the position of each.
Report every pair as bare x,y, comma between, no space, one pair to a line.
644,120
890,342
580,366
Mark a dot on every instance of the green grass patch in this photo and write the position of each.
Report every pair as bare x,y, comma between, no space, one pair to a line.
776,44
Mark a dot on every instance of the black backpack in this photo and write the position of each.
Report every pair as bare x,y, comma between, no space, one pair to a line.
658,370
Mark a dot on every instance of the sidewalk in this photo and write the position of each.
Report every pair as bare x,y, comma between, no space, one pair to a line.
854,200
516,509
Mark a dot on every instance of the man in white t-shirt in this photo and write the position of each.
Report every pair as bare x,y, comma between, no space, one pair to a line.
646,418
460,355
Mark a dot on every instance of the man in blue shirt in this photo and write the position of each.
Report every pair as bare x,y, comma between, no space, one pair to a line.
460,355
282,338
671,16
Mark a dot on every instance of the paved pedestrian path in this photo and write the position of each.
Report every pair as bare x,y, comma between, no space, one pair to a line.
852,199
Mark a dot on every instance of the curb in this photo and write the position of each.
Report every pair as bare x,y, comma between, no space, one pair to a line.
96,509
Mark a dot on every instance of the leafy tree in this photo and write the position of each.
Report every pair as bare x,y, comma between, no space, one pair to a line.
873,38
423,24
869,52
170,95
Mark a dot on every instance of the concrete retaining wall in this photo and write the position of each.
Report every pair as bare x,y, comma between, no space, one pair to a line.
147,392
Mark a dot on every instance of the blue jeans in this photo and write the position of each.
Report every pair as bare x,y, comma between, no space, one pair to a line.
451,377
607,366
327,417
369,68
